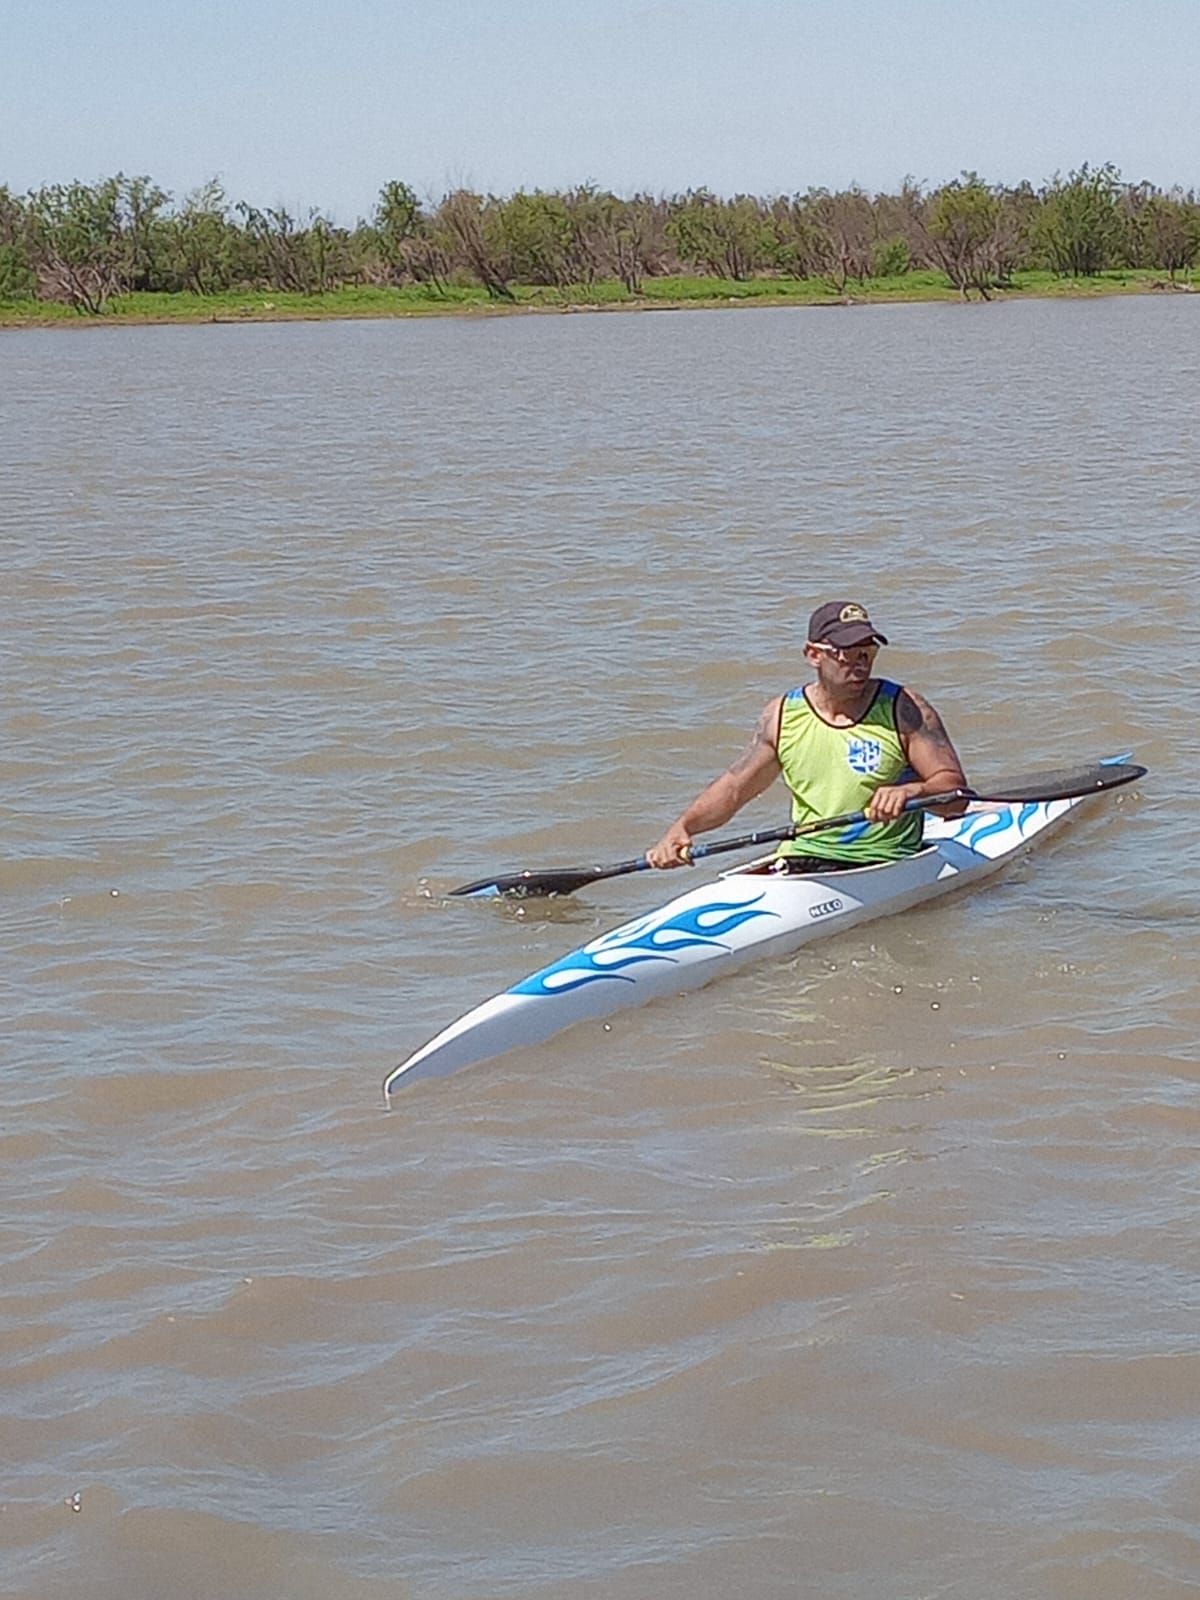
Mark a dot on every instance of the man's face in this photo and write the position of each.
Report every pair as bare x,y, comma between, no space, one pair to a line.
842,666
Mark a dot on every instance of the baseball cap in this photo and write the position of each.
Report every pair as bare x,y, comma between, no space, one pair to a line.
842,623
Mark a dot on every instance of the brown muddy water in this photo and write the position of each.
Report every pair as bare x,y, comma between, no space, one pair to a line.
868,1273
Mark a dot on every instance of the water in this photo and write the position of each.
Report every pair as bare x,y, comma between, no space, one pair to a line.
871,1272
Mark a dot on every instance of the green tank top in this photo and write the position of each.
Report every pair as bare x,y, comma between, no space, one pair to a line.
831,770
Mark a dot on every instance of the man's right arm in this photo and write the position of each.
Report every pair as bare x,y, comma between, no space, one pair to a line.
930,754
754,770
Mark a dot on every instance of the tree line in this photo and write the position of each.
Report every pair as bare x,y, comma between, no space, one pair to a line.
83,245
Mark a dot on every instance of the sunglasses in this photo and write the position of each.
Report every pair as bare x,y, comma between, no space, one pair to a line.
850,652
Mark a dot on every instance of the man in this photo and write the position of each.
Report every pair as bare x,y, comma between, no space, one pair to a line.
846,742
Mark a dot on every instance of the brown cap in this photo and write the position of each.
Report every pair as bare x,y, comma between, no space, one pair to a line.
842,623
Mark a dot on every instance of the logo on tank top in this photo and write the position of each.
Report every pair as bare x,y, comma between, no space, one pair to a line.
864,755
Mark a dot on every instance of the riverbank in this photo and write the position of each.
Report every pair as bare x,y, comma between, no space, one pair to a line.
659,294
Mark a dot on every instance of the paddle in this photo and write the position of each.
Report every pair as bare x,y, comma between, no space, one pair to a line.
1063,783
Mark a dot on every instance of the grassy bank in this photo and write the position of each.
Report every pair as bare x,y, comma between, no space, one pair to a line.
658,294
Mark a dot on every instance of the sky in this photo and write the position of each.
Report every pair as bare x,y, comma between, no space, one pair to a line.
305,105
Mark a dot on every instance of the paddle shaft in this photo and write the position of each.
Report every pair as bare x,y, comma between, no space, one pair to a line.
565,880
748,841
1063,783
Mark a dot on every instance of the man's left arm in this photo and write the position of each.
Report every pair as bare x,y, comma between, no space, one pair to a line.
930,754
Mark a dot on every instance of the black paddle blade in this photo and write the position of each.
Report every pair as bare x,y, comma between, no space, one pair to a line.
1062,783
555,880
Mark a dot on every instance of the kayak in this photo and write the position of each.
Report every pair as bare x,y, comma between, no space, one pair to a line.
747,913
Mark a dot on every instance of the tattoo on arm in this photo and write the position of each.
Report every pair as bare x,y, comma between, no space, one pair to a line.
762,738
914,714
916,717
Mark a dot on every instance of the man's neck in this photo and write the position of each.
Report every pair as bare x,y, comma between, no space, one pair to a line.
845,707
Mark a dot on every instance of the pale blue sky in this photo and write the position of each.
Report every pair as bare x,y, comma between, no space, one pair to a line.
298,103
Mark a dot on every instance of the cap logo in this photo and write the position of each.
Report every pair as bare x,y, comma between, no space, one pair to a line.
853,614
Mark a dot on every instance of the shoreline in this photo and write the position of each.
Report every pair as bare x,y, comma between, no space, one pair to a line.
689,295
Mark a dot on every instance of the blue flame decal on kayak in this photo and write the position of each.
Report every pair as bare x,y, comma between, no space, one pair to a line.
983,827
650,938
977,826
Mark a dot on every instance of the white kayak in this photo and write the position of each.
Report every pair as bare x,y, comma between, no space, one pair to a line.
747,913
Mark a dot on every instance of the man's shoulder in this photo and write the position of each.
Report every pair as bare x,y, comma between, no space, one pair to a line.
913,711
